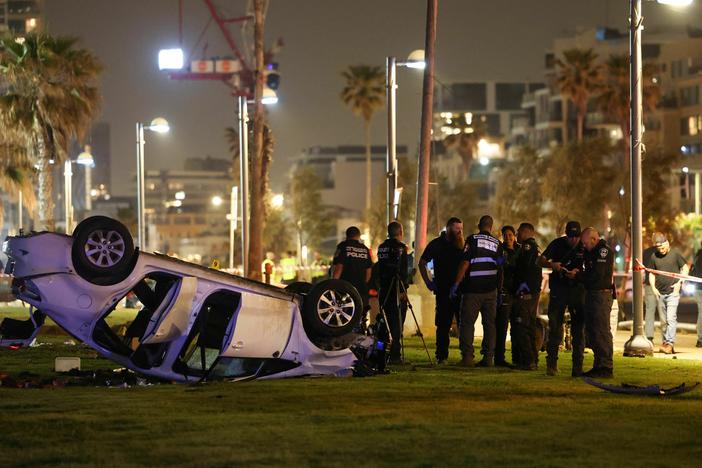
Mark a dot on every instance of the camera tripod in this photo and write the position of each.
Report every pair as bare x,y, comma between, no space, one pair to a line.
401,290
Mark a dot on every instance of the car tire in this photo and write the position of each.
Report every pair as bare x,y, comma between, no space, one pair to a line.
103,251
299,287
332,308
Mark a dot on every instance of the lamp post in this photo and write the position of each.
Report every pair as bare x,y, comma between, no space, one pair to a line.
232,224
638,345
86,160
68,195
158,125
244,181
20,210
415,60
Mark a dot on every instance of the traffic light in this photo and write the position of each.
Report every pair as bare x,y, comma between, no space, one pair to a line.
271,75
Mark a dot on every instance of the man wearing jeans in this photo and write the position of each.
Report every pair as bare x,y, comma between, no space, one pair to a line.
665,288
478,274
650,300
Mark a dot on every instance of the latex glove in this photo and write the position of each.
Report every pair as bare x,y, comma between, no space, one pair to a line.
523,288
454,291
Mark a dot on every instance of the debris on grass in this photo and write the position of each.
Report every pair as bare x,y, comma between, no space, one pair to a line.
651,390
117,378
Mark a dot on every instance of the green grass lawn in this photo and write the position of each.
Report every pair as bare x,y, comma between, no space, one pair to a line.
417,416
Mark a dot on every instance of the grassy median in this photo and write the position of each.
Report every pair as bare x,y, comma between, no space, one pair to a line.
417,416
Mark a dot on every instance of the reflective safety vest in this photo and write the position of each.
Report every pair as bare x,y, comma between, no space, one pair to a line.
288,265
483,252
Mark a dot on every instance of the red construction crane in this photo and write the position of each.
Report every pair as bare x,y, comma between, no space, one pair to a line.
234,72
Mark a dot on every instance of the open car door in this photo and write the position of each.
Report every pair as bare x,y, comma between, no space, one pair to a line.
170,323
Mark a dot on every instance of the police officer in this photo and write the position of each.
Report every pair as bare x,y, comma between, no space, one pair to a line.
561,255
510,248
526,290
445,252
352,262
289,266
598,278
478,280
393,279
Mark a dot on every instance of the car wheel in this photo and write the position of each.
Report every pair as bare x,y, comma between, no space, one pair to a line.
103,250
299,287
332,308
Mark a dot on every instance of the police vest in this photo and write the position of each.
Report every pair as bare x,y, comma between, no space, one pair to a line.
484,255
288,265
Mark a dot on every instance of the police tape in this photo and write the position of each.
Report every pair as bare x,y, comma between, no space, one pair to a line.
680,276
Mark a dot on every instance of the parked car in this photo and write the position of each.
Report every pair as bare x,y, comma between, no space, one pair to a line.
193,322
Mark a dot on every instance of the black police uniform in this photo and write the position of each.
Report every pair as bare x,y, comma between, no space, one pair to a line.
527,288
484,255
598,278
356,260
392,267
504,301
446,257
566,293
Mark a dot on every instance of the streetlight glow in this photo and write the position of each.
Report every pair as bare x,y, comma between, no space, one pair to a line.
159,125
86,158
675,3
170,59
217,201
277,200
269,97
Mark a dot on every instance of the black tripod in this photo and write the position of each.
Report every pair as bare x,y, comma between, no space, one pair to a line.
402,290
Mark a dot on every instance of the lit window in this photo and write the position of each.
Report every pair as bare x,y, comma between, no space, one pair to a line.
31,24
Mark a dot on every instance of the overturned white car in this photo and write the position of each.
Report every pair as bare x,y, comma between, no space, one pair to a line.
194,323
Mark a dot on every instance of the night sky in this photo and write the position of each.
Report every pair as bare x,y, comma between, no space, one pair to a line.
477,40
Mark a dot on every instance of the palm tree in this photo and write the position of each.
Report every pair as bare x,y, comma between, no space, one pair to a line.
614,98
578,78
16,170
364,93
52,96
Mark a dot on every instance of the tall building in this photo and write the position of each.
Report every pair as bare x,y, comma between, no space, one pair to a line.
674,127
342,170
491,111
21,16
186,210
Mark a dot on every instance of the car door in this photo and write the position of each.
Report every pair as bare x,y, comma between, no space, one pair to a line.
261,327
170,323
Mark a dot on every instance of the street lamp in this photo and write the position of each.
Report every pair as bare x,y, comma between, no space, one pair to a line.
170,59
217,201
84,159
414,60
158,125
269,97
638,345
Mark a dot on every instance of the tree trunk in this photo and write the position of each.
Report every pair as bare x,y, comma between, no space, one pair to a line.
45,181
580,123
420,232
256,219
369,174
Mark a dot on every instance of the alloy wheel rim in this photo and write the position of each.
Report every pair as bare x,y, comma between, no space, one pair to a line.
335,309
104,248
